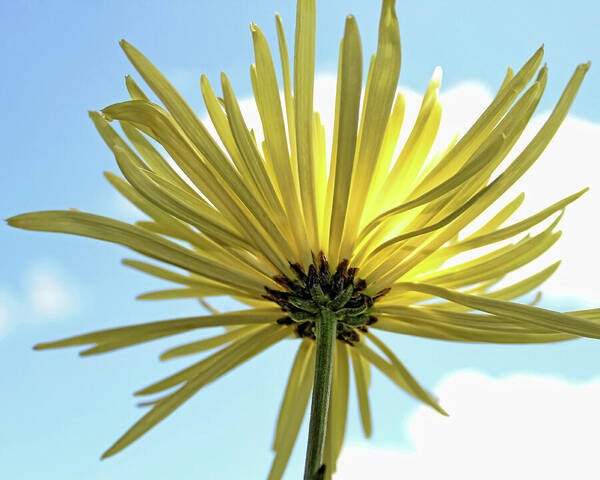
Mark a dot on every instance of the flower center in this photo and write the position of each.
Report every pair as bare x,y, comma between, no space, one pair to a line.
340,293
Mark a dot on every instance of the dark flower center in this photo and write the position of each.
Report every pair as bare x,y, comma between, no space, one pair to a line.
340,293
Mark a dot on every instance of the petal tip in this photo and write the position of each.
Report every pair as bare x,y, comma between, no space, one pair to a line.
107,454
437,75
165,356
14,221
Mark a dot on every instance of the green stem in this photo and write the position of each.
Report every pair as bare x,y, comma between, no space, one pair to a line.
325,332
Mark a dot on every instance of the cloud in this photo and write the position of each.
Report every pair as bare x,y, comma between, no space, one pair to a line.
48,293
44,292
7,305
521,426
569,164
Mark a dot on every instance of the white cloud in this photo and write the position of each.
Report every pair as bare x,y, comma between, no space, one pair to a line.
44,292
48,293
569,164
520,427
7,306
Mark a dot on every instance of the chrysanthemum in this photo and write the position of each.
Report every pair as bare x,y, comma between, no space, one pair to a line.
315,246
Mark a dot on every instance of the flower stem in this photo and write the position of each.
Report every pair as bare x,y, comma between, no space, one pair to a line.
326,326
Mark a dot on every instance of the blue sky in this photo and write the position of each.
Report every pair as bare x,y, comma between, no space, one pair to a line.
61,59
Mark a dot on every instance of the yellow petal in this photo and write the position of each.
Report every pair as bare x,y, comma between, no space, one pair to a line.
510,90
188,207
207,343
339,399
170,226
287,89
167,405
224,188
289,434
388,147
348,99
497,220
134,90
525,314
304,73
399,376
417,146
511,292
153,159
198,291
300,367
512,173
153,246
461,333
475,241
481,270
134,334
252,160
376,111
360,367
483,161
159,272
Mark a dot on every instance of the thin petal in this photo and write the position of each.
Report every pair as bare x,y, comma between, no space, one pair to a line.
207,343
379,98
135,334
407,378
167,405
292,427
300,367
304,76
390,371
512,173
102,228
360,367
160,272
348,99
528,315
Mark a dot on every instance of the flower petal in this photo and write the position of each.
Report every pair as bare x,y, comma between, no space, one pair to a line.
289,432
304,77
151,245
207,343
171,227
379,98
239,352
299,371
140,333
399,375
526,314
361,377
346,124
512,173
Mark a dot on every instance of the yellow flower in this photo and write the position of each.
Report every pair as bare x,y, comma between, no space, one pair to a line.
363,235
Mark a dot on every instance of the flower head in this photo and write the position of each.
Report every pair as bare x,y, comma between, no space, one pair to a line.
363,236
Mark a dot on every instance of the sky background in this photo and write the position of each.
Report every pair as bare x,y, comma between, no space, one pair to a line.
525,408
